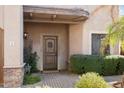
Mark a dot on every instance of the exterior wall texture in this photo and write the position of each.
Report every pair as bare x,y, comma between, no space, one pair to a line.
12,25
13,77
98,21
100,17
38,30
13,36
76,39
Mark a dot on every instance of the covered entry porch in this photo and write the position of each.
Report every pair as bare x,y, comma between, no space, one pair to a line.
54,34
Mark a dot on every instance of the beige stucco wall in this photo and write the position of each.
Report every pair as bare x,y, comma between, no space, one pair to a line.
99,19
37,30
76,39
1,16
98,23
13,36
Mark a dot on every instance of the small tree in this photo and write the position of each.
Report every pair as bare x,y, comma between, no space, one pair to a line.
115,34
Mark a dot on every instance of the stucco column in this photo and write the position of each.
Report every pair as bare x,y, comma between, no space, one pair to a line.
75,39
13,46
1,16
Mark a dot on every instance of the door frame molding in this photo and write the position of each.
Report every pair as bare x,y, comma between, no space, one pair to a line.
50,35
2,31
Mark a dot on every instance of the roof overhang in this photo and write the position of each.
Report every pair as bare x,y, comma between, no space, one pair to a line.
54,15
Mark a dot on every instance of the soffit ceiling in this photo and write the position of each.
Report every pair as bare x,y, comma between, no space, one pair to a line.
54,14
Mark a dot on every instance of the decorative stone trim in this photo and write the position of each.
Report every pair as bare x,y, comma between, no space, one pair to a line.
13,77
20,66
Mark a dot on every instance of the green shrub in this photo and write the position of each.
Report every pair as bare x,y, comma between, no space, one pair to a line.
77,64
110,65
31,58
93,64
85,63
91,80
121,65
30,79
104,65
33,61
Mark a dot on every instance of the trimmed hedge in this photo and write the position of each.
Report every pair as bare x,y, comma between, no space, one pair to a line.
77,64
110,65
121,65
104,65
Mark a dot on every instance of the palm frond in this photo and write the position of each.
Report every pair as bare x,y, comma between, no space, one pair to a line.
115,34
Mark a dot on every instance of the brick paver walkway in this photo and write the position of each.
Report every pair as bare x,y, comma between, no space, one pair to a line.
64,80
56,80
59,80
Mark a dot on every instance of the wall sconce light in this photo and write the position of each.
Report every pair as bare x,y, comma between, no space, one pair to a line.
53,17
30,15
25,35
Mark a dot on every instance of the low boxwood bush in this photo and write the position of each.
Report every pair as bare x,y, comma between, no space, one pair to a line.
31,79
121,65
93,64
86,63
77,64
104,65
91,80
110,65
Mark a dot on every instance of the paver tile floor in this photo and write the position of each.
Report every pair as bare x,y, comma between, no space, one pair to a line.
59,80
64,80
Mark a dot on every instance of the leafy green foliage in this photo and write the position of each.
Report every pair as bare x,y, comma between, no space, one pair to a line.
110,65
104,65
77,64
93,64
86,63
30,79
121,65
33,61
91,80
31,58
115,34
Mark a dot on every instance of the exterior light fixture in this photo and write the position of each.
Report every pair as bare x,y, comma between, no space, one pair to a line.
30,15
53,17
25,35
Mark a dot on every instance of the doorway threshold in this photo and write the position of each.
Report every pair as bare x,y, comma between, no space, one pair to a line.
51,71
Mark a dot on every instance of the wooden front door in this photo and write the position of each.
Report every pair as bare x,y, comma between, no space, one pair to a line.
50,52
1,57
